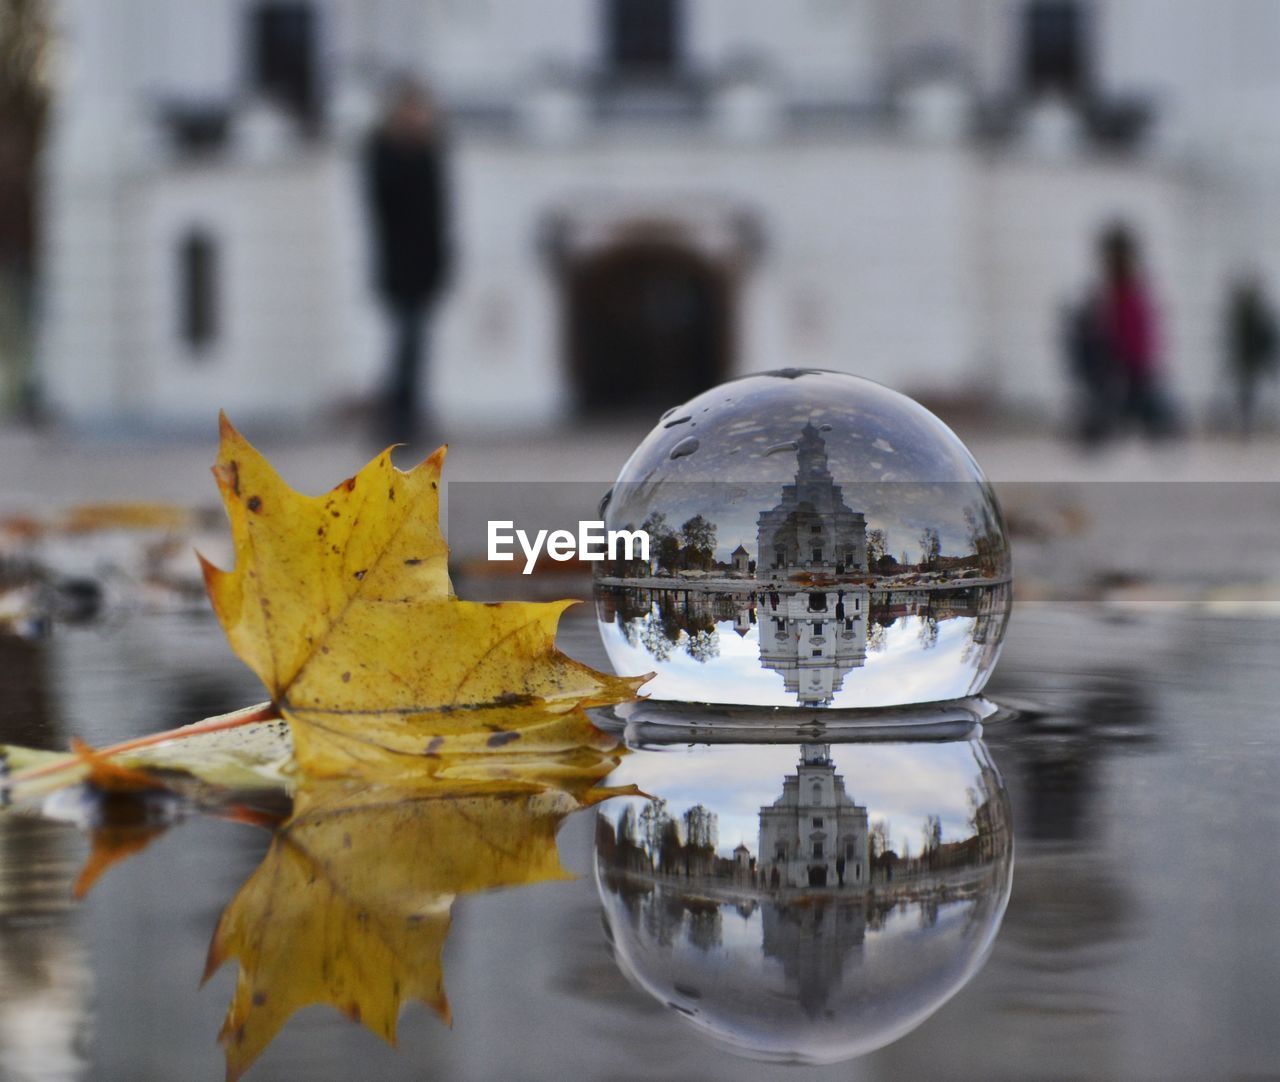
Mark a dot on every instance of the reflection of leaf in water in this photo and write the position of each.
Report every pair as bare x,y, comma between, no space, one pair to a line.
124,808
111,845
126,823
123,804
352,903
134,821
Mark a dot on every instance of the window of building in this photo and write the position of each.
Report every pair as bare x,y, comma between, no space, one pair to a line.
1055,47
815,528
198,289
282,52
817,627
817,822
781,852
197,128
643,36
817,792
817,850
817,556
817,652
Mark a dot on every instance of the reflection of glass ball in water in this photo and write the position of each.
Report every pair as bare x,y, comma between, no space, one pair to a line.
815,540
805,903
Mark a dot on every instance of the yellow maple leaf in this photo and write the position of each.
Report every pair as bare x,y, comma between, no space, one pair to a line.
342,605
441,742
352,903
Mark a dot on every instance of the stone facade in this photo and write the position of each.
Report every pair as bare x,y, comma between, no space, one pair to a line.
811,529
814,835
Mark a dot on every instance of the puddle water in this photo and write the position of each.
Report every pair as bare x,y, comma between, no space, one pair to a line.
1086,888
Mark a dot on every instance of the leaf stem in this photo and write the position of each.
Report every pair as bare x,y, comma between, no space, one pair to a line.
247,715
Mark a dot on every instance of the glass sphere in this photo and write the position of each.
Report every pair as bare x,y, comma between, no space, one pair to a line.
814,540
805,903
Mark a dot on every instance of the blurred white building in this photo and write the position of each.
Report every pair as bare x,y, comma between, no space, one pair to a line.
650,195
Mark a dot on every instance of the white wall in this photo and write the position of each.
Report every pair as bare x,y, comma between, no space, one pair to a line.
825,51
490,49
279,339
867,264
1040,225
115,349
921,265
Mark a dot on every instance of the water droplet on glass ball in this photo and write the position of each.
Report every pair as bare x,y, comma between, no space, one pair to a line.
684,448
831,544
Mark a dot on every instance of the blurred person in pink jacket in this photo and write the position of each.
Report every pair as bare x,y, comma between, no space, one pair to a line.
1129,334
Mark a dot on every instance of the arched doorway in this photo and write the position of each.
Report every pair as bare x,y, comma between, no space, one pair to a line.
649,326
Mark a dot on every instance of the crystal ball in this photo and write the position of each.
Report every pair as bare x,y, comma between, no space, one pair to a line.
807,902
814,540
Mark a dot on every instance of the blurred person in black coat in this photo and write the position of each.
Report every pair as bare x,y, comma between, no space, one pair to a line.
1252,343
410,218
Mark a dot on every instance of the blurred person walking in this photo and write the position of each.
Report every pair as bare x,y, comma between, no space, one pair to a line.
1251,344
1091,367
1130,335
409,212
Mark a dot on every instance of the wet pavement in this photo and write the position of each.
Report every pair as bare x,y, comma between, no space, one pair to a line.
1134,747
1139,939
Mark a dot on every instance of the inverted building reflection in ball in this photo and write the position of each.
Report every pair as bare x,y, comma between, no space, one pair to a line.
817,540
806,903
